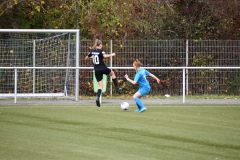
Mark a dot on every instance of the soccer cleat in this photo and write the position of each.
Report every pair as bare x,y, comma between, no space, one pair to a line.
136,110
142,109
98,103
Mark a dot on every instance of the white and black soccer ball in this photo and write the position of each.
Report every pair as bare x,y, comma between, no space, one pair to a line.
124,106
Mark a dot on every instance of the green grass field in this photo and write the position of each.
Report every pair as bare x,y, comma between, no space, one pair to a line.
83,132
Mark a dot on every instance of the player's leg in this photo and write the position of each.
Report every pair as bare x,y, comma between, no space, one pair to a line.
115,81
99,93
99,78
140,93
139,103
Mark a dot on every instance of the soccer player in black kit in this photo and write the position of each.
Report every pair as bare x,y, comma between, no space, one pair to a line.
97,55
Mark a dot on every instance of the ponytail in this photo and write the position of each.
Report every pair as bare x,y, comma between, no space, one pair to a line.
96,43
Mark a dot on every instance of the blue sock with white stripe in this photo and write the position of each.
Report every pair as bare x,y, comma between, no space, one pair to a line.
139,103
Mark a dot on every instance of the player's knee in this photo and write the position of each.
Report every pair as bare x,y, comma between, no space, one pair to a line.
112,72
134,96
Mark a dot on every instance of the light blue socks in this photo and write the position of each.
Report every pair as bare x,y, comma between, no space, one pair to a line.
139,103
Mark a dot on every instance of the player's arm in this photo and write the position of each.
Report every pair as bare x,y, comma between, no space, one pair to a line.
88,56
130,80
109,55
154,77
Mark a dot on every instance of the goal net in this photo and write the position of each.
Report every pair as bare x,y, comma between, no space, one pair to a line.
42,49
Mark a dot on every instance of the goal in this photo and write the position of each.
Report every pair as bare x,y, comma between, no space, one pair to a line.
37,63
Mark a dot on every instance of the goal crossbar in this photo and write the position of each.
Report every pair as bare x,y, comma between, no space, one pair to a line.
39,30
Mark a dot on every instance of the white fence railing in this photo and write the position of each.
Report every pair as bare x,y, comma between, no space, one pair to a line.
183,69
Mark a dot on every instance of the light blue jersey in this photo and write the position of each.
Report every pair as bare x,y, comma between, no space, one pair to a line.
140,78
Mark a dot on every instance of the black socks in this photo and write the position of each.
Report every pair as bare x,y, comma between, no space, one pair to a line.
115,82
99,92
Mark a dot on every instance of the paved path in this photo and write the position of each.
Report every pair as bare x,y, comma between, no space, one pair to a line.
148,101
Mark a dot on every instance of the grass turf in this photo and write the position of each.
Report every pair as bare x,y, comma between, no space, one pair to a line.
167,133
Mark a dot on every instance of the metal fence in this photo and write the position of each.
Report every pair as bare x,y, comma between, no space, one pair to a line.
152,53
176,53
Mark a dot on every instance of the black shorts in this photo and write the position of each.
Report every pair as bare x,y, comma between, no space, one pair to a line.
99,72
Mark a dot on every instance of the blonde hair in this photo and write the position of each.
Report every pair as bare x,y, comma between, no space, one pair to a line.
137,63
96,43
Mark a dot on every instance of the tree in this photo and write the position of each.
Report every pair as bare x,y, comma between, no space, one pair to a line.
6,5
121,19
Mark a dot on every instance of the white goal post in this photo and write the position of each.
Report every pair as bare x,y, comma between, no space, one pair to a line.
47,42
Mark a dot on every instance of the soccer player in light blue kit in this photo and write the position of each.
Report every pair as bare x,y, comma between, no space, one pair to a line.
144,86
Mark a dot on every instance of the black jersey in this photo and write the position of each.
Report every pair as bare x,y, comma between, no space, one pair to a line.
97,57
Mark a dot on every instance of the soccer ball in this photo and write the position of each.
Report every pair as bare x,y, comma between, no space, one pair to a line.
167,95
124,106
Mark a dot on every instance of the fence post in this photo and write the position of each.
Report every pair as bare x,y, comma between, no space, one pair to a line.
15,85
77,65
34,65
111,63
187,47
184,84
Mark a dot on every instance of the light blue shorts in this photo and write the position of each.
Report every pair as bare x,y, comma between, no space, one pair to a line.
144,91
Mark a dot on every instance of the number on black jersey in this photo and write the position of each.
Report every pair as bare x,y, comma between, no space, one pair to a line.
95,59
